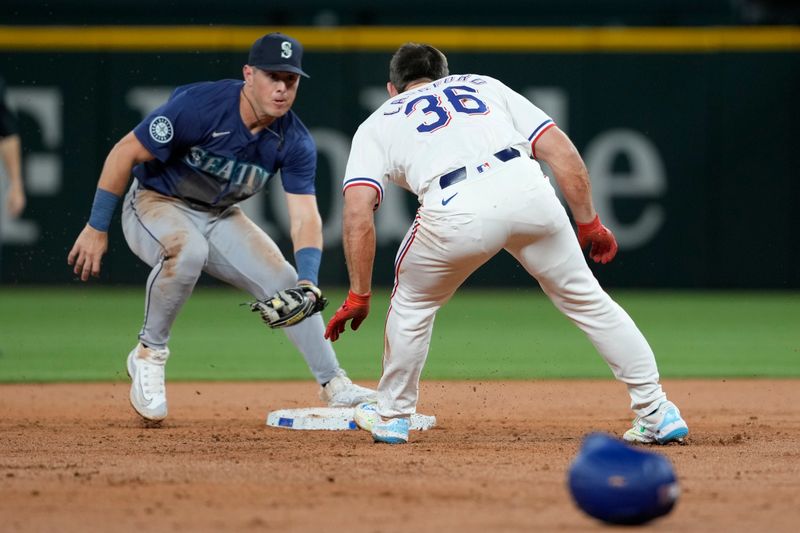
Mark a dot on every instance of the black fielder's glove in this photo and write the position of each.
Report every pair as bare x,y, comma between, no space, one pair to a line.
290,306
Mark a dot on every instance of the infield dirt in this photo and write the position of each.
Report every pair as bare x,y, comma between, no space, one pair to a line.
74,457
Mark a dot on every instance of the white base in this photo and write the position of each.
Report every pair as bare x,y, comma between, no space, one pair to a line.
331,419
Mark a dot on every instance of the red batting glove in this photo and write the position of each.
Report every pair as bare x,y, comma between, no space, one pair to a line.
604,245
356,306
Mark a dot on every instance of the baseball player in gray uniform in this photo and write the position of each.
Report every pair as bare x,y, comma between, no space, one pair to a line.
210,146
468,147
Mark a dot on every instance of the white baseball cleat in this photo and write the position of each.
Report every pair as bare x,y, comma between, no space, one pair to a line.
365,415
662,426
391,431
148,391
341,392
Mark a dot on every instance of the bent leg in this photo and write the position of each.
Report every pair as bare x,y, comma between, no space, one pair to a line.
163,235
430,266
242,254
557,262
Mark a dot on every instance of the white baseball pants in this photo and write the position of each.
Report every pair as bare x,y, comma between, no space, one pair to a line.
457,229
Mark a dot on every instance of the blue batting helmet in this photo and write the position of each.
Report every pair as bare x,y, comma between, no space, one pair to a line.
619,484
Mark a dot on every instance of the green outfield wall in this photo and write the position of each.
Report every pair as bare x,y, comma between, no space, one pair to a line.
691,135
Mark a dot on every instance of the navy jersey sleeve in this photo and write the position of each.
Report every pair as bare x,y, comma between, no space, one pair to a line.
299,169
171,127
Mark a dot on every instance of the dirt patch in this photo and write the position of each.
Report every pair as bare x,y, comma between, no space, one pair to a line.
76,458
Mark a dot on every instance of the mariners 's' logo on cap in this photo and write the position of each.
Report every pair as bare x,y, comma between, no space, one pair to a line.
286,49
161,129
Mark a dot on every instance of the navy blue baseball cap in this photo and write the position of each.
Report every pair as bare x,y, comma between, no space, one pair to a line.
277,52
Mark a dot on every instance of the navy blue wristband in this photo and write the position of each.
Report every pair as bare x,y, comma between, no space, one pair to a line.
308,260
103,209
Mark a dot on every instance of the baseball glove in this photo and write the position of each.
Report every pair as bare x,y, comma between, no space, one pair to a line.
290,306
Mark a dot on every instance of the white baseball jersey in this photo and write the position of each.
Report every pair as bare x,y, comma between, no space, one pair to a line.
427,131
456,143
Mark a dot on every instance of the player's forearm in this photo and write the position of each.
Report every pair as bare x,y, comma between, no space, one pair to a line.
359,248
306,231
116,171
557,150
577,190
10,150
114,178
305,224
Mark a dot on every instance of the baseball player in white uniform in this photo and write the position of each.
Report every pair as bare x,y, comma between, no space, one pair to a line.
468,147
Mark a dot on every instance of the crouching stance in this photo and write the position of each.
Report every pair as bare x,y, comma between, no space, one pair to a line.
210,146
468,147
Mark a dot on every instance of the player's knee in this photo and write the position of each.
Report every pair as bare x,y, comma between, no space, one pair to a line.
185,259
596,307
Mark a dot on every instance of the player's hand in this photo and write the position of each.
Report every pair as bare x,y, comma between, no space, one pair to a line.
86,253
313,289
355,307
603,244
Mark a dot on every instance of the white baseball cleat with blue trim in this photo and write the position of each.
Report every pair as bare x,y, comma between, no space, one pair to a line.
392,431
662,426
366,415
